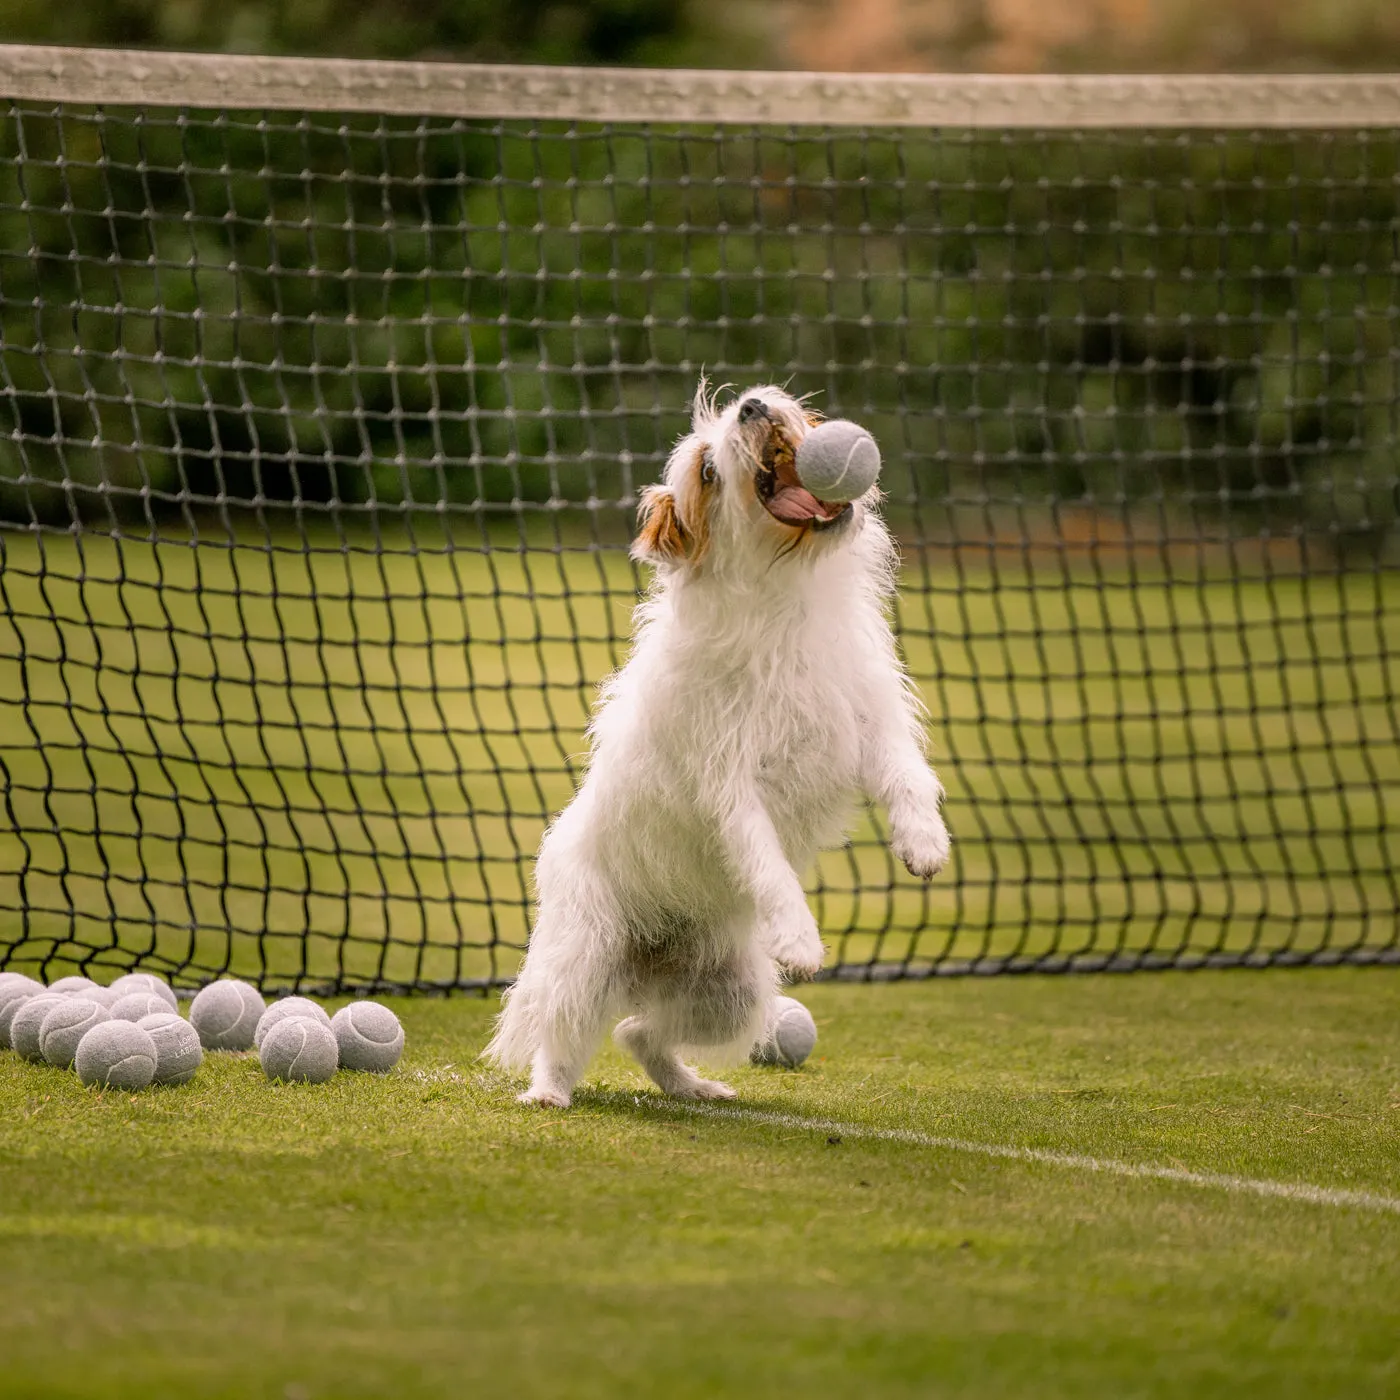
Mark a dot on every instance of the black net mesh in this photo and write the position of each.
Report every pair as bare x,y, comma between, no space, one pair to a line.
320,441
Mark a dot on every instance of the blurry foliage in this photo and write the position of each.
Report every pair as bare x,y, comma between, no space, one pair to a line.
204,308
483,31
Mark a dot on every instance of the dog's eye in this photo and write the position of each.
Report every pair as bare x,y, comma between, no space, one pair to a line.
707,469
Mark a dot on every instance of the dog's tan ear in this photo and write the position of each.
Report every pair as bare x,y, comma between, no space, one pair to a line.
662,538
814,419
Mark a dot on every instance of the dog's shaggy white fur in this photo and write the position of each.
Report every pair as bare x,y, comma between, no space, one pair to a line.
763,695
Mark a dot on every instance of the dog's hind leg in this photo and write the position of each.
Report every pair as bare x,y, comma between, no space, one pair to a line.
573,1007
569,1024
721,1005
555,1072
648,1044
554,1016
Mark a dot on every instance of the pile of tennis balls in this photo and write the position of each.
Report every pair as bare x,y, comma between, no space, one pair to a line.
131,1034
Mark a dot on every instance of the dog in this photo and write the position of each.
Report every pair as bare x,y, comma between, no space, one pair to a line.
762,698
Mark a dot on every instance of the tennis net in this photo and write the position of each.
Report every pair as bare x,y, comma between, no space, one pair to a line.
327,389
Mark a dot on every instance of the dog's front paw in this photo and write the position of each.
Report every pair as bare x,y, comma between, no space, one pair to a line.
924,848
801,969
795,945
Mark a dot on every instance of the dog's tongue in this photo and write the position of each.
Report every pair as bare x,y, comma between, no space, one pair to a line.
792,502
796,505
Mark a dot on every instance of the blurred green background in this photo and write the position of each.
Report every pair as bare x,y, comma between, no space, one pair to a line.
400,311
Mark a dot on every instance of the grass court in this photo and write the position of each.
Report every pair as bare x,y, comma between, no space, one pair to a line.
421,1234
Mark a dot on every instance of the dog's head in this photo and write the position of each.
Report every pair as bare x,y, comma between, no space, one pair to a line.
731,491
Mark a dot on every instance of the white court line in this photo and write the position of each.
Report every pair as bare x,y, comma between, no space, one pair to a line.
1107,1166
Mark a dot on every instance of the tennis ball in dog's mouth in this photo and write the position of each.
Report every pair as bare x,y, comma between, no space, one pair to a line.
225,1014
838,461
369,1036
298,1048
116,1054
791,1035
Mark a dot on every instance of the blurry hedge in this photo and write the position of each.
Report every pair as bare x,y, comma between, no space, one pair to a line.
484,31
202,307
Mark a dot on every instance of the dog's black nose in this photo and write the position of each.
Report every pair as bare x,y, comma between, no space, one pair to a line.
751,409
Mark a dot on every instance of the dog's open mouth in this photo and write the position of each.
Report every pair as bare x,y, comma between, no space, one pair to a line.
784,496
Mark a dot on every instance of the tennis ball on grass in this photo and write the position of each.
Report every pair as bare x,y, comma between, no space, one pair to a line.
15,990
838,461
286,1008
146,982
225,1014
117,1054
24,1029
790,1037
67,986
178,1052
299,1048
135,1005
369,1036
65,1025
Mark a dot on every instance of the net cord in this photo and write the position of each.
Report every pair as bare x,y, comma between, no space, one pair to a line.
44,73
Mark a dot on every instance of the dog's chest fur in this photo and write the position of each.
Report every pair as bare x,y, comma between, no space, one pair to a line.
785,722
764,696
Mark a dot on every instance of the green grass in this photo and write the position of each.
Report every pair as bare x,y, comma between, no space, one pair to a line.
421,1235
304,761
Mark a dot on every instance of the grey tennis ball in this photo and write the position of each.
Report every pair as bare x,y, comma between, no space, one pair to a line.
369,1036
15,990
790,1036
838,461
28,1019
67,986
65,1025
117,1054
225,1014
289,1006
178,1052
145,982
135,1005
103,996
298,1048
